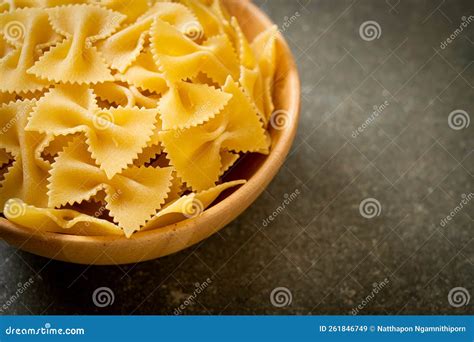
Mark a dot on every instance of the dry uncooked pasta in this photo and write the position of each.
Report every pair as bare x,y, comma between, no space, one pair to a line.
118,117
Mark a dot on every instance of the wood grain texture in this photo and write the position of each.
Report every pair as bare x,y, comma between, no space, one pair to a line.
259,170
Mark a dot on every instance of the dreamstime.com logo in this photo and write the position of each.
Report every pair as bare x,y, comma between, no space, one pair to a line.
370,208
281,297
103,296
47,329
458,297
459,119
370,30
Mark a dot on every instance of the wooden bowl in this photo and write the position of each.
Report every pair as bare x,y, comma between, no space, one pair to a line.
258,169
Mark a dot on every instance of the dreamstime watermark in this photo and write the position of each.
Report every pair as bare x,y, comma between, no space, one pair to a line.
103,296
288,199
378,110
281,297
280,119
21,288
376,288
190,300
370,30
288,21
14,208
457,209
459,119
9,124
103,120
458,297
14,31
193,30
465,21
370,208
192,207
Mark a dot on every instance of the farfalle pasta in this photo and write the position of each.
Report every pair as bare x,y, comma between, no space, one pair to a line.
125,116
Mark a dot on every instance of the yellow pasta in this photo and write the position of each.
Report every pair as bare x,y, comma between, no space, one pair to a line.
132,9
182,58
75,60
187,104
144,74
25,179
209,20
124,47
58,220
27,30
195,152
132,197
121,116
188,206
114,136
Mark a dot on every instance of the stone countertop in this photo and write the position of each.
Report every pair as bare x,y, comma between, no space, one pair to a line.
376,166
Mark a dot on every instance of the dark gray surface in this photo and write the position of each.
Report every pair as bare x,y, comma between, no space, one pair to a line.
320,248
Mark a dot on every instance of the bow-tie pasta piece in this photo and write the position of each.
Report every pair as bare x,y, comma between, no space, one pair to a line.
132,9
25,178
148,154
122,48
115,94
14,4
189,206
52,145
182,58
63,221
196,152
251,81
115,136
153,148
187,104
144,74
228,159
212,24
264,47
258,81
76,60
132,197
242,46
29,31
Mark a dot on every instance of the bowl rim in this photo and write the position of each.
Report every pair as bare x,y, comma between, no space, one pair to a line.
250,190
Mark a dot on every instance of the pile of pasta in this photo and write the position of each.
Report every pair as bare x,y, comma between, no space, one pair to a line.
122,116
